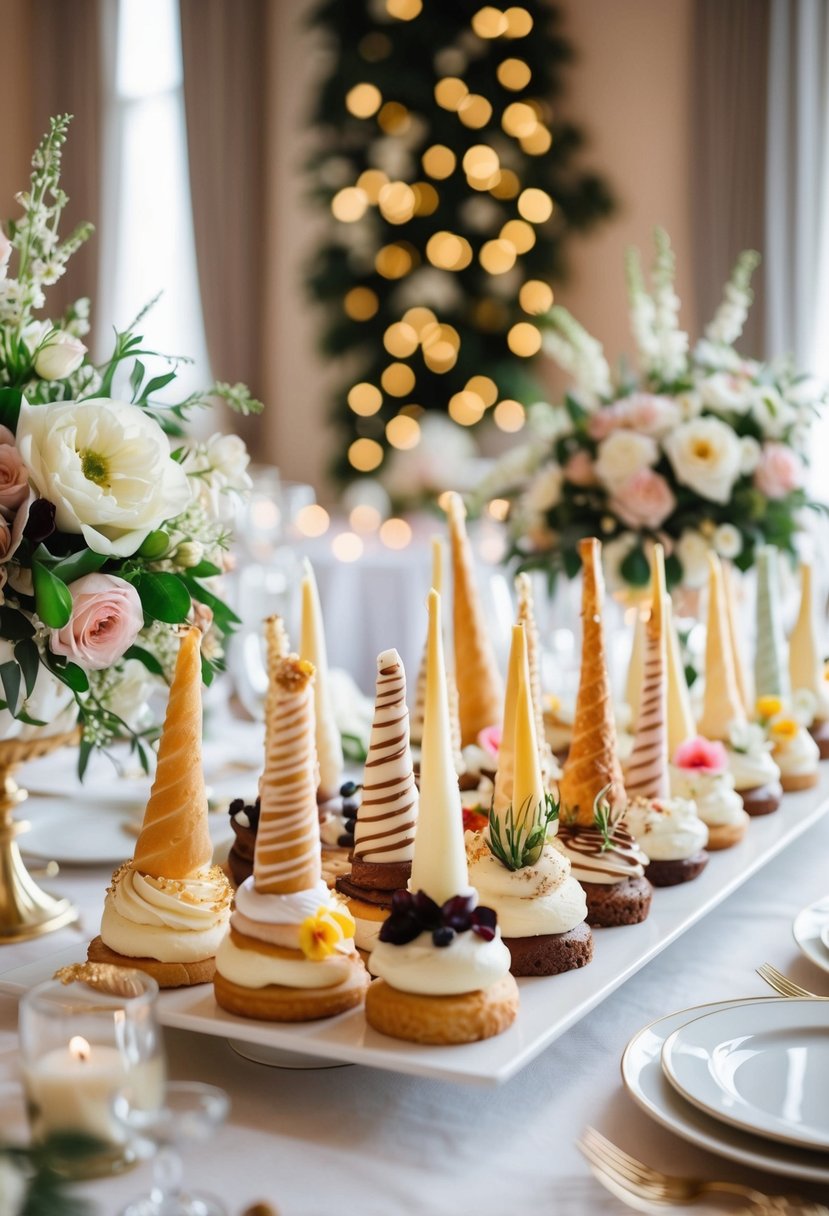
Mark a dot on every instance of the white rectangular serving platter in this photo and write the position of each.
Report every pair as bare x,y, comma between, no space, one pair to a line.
549,1006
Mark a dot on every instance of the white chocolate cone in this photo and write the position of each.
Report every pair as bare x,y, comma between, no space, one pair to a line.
722,703
681,726
528,783
386,819
505,773
805,649
647,771
312,647
526,617
287,856
451,686
740,669
636,666
439,863
771,669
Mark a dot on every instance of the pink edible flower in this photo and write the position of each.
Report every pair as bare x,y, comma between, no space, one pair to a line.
490,739
706,755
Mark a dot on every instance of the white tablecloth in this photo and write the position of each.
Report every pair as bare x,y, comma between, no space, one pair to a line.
353,1140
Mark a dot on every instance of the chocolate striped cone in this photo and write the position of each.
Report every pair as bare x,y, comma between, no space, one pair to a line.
647,770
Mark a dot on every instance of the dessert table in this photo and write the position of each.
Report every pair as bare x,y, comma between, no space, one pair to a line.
359,1140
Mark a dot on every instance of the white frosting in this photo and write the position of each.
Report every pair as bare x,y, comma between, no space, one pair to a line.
252,969
332,828
367,933
281,909
752,769
624,746
541,898
467,964
170,920
718,803
478,760
669,829
591,862
798,756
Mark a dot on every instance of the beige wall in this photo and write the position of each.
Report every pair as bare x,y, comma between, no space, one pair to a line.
16,123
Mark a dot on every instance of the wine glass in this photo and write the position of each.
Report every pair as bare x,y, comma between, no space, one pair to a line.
191,1111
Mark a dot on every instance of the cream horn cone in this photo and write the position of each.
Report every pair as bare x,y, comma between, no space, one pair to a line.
480,688
287,855
722,703
740,669
593,761
505,774
805,650
386,819
312,647
681,726
526,616
647,771
439,863
175,841
771,669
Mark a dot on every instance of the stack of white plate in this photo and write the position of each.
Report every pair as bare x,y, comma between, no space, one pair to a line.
811,932
748,1080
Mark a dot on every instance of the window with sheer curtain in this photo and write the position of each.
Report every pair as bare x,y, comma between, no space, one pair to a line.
147,220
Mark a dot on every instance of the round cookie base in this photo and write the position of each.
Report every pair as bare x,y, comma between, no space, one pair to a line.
166,975
676,870
820,733
762,799
551,953
726,835
799,781
442,1021
276,1003
618,903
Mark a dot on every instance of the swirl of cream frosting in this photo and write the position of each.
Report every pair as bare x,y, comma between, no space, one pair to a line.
667,829
280,909
797,756
538,899
467,964
718,803
171,920
252,969
753,769
593,861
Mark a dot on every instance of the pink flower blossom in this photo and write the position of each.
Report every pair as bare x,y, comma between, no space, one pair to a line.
779,472
579,469
490,739
106,619
646,413
14,477
706,755
644,500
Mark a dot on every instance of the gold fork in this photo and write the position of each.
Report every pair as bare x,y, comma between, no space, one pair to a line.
648,1189
782,984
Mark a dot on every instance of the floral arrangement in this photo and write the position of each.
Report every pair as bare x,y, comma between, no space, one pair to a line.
114,529
699,449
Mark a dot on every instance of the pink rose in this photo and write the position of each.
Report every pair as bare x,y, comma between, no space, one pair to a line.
580,469
644,500
703,754
14,476
602,422
490,739
106,619
779,472
646,413
5,539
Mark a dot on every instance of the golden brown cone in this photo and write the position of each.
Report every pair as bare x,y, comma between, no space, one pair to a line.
593,762
480,688
722,703
174,841
740,669
287,857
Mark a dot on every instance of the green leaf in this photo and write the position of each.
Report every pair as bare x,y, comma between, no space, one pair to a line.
136,376
10,677
203,570
157,384
68,569
164,597
223,615
635,568
52,599
74,677
84,752
149,660
10,402
14,626
28,656
207,672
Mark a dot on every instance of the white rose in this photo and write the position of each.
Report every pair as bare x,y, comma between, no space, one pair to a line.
727,541
544,491
127,698
690,404
692,551
228,455
622,454
60,356
750,452
107,468
723,391
705,454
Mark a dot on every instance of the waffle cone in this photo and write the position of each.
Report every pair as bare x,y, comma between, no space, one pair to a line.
287,855
722,703
174,841
480,688
593,761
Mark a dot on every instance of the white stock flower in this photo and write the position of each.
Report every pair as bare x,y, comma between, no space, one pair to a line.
750,452
705,454
771,412
60,356
544,491
107,468
622,454
728,541
692,551
717,358
5,253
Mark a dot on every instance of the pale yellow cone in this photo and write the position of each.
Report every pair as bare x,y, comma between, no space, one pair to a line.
633,686
526,616
722,703
313,648
174,840
681,725
647,770
505,773
740,667
805,650
480,687
528,782
287,857
451,686
593,761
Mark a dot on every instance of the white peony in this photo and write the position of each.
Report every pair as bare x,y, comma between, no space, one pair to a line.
725,391
60,356
107,468
706,455
692,551
544,491
728,541
622,454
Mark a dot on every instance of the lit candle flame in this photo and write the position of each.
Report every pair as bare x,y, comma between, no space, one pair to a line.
79,1049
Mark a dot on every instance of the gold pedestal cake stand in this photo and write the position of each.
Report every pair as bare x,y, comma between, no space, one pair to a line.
25,910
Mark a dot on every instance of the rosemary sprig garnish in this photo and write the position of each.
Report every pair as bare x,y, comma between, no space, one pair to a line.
520,845
605,817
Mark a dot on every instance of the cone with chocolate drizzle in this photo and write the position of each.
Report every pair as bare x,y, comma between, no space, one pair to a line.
385,829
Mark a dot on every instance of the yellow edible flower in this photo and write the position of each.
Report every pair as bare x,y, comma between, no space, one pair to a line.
344,919
319,934
784,729
768,707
